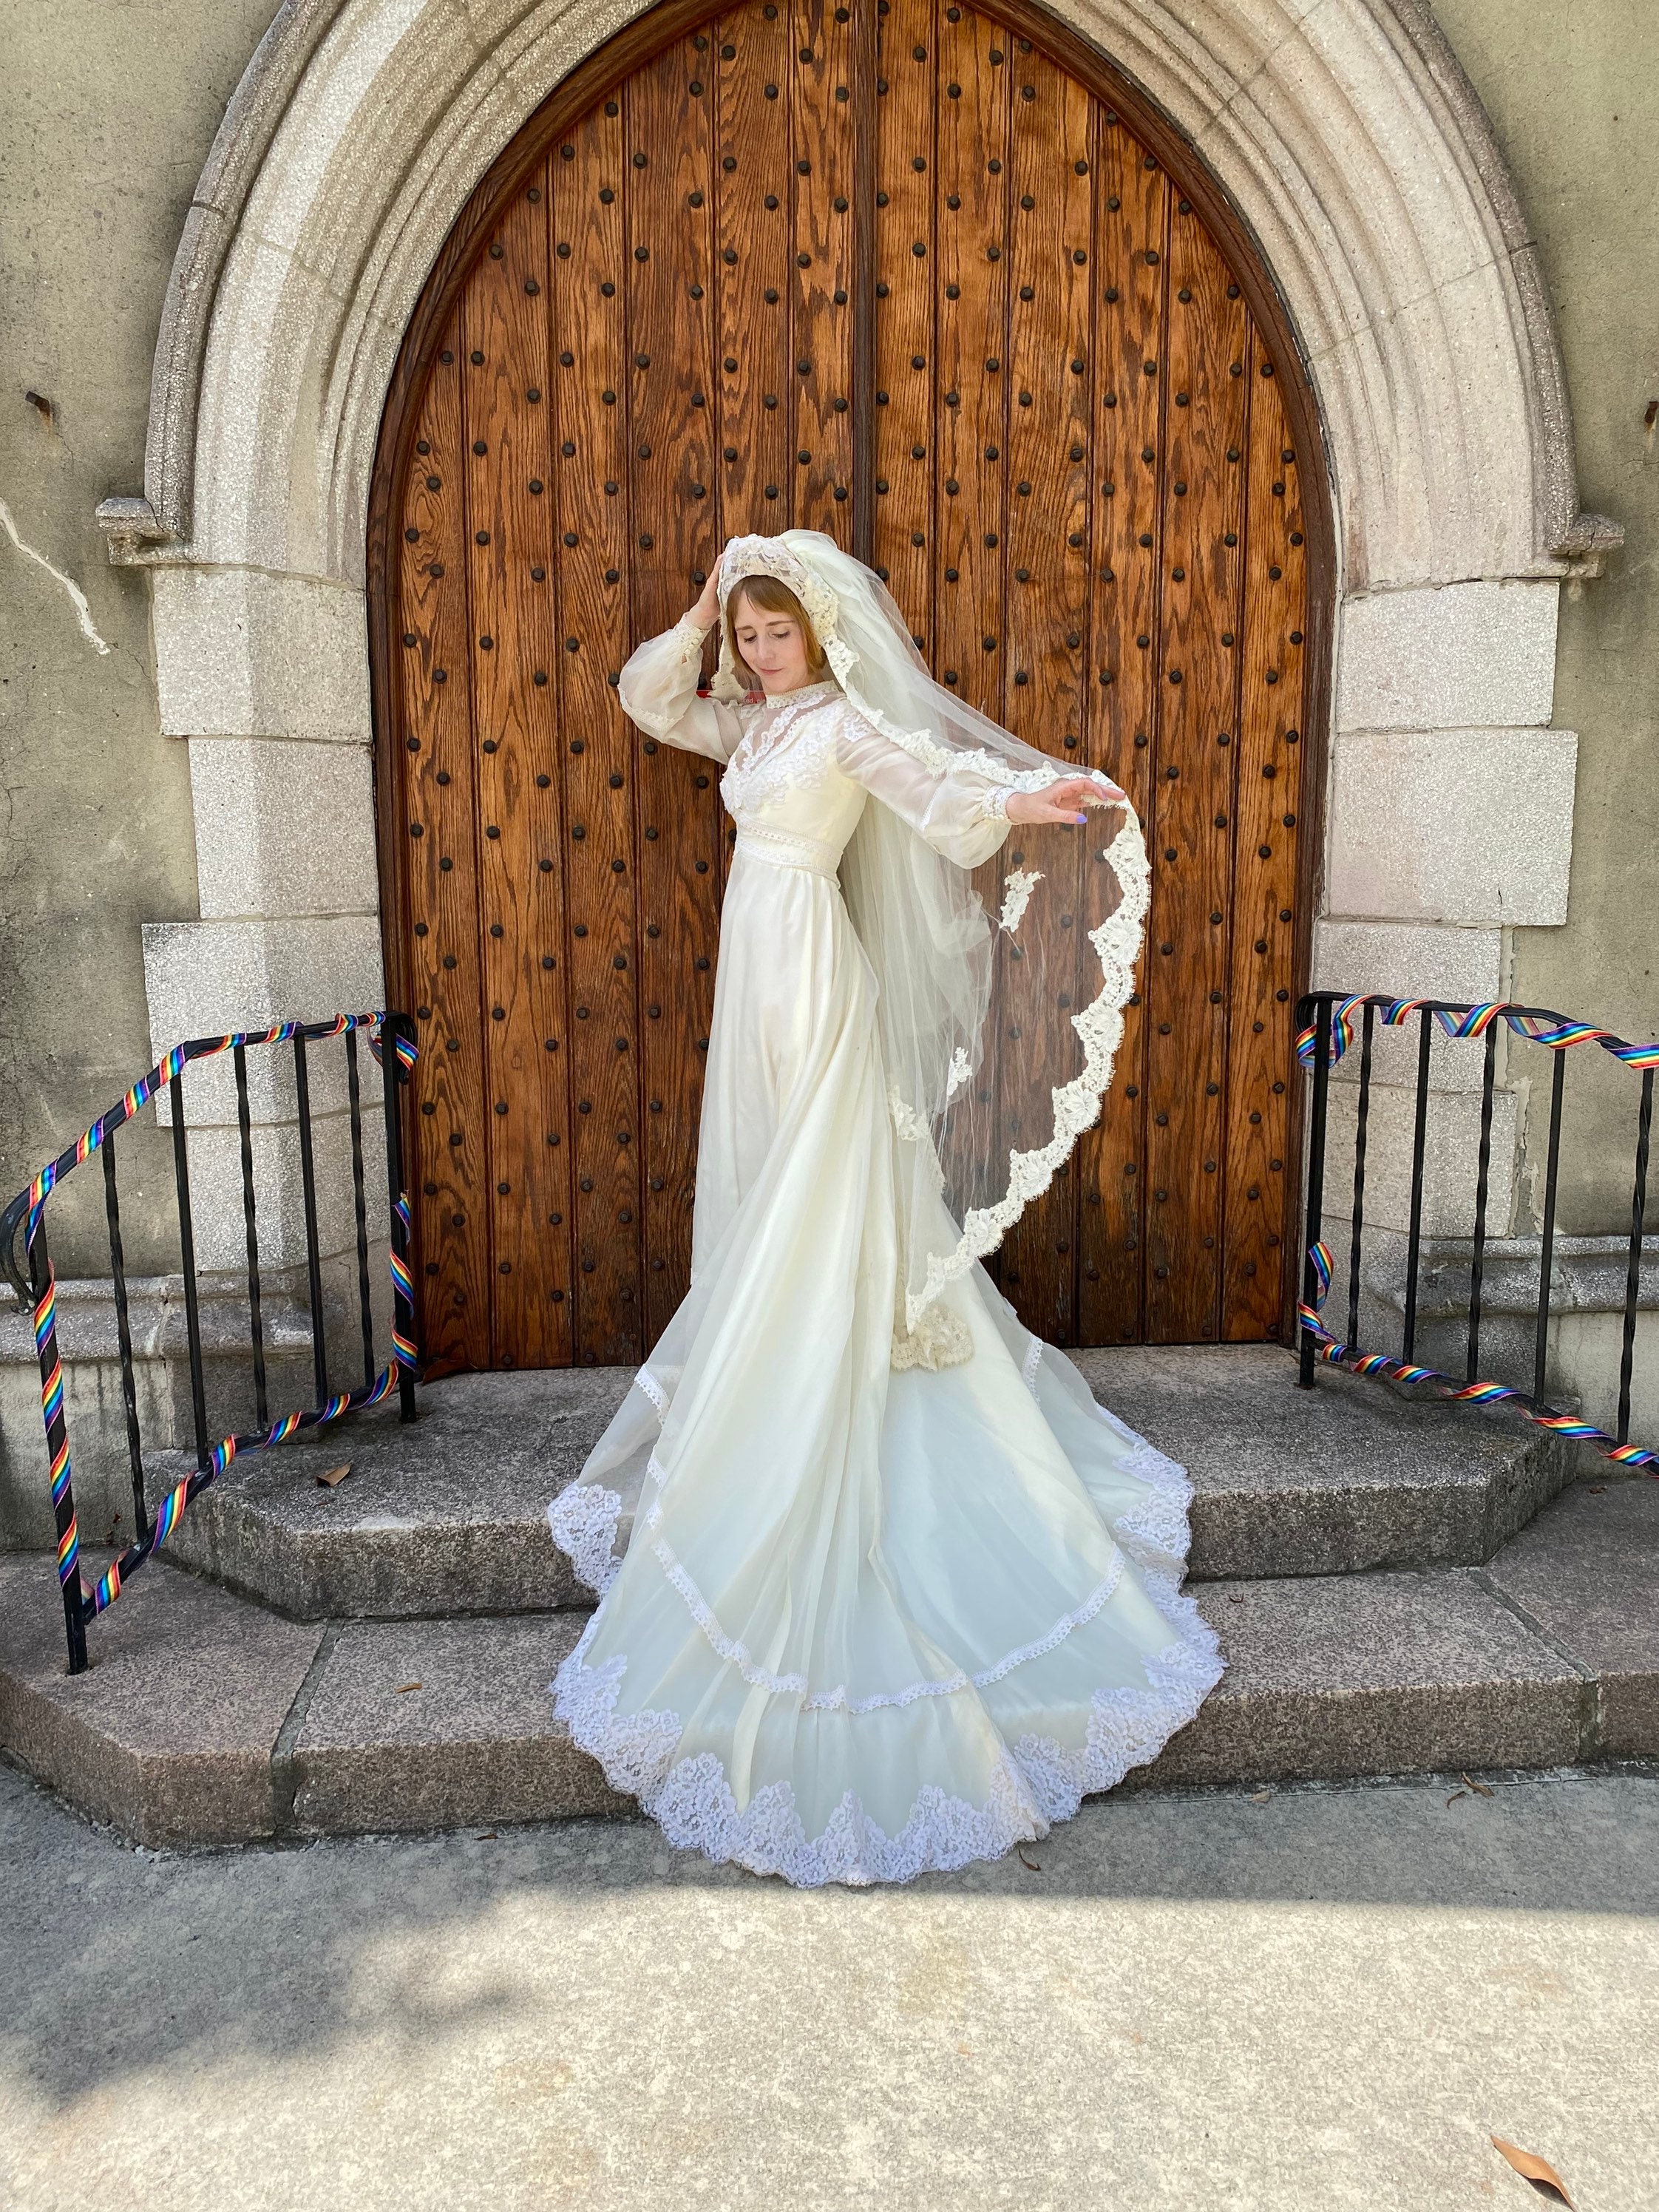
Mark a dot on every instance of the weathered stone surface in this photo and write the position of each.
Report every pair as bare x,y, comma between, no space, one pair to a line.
1451,1159
1587,1571
447,1517
1477,655
206,978
1373,1674
168,1735
430,1725
301,672
257,852
1347,1475
1501,801
1442,962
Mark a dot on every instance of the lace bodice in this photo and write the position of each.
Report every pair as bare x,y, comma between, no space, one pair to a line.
804,765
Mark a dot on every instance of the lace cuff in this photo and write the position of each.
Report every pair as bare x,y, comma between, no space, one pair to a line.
691,634
993,803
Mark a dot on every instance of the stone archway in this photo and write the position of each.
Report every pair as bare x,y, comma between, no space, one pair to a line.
1352,150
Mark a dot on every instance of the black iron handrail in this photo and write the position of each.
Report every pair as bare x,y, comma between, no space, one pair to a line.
32,1278
1327,1022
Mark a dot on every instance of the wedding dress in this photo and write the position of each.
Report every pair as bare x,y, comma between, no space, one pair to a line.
872,1600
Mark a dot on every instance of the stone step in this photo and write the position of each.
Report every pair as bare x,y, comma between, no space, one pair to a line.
449,1516
203,1718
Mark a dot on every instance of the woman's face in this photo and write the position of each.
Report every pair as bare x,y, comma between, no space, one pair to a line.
773,646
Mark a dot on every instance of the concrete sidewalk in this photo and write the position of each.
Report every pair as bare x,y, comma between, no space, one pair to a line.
1329,1998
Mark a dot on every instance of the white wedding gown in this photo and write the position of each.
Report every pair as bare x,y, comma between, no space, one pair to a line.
869,1619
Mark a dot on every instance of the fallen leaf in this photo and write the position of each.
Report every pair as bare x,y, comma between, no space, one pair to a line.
489,1835
1595,1488
1236,1597
1030,1865
1261,1797
332,1477
401,1687
1481,1789
1538,2171
1455,1794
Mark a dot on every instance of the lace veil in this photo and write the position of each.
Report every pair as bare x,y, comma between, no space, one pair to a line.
998,1030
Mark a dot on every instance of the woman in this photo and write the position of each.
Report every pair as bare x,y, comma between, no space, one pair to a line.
893,1592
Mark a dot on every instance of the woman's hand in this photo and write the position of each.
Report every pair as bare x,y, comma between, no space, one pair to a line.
1060,801
708,606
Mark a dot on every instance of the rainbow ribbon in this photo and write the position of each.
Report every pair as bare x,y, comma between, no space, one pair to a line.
101,1594
1338,1354
1552,1030
173,1063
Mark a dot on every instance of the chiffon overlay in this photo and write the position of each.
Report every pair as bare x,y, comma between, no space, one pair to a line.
859,1616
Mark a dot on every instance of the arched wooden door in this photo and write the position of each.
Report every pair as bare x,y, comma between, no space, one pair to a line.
928,278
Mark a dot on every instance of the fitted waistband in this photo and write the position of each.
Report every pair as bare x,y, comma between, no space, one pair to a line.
786,850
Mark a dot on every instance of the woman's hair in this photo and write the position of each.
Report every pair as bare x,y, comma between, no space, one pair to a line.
769,595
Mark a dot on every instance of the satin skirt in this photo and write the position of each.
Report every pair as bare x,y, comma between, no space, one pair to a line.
856,1622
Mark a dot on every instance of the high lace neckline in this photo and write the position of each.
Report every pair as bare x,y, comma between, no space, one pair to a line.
802,692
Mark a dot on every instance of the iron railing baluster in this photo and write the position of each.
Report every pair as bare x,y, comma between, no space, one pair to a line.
1420,1140
403,1311
1546,1258
62,1497
1482,1184
361,1210
313,1251
118,1267
28,1270
187,1261
1314,1225
245,1131
1362,1116
1633,1266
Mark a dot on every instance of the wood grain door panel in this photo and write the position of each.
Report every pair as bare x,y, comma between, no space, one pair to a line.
922,277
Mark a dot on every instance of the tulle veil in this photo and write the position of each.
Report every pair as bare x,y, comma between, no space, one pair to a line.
997,1033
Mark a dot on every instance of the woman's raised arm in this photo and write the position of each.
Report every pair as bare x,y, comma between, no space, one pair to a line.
963,816
658,688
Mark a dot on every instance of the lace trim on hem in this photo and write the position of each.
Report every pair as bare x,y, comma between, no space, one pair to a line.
836,1700
1036,1783
583,1518
1156,1533
654,1391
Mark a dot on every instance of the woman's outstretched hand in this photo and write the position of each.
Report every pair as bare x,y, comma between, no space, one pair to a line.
1061,801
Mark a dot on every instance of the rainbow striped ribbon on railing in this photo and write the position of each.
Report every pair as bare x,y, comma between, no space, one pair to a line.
403,1282
104,1592
1338,1354
51,1409
1470,1022
183,1055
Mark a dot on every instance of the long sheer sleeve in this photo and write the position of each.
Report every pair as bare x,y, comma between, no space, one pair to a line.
961,814
658,688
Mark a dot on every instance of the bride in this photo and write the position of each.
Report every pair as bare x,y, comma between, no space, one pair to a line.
881,1588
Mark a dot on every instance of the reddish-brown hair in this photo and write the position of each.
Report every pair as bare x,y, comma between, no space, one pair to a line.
769,595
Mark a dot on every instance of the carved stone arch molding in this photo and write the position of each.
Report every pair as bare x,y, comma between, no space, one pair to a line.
1351,149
